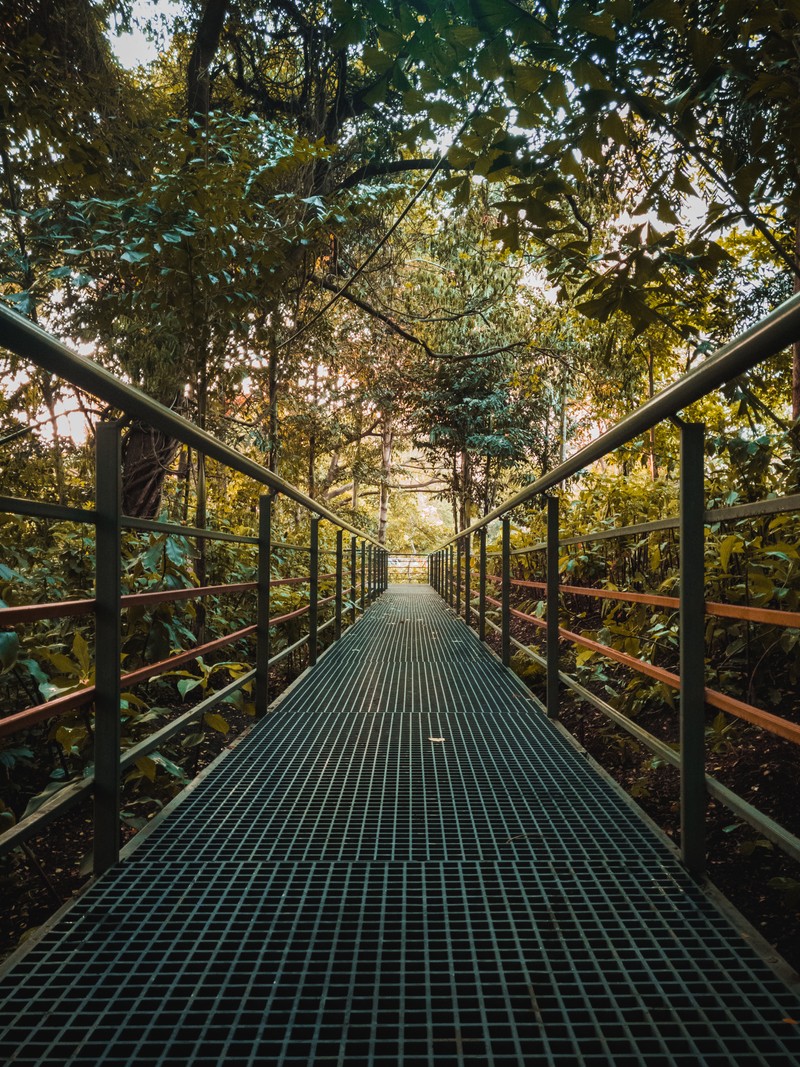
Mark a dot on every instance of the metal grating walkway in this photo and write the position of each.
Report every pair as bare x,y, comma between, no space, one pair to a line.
343,890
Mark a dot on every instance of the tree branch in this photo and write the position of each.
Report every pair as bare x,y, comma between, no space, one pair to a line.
414,340
378,170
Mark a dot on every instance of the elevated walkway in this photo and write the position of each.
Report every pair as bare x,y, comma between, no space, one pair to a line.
405,862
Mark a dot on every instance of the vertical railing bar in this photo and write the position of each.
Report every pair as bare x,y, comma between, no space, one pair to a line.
313,591
505,598
337,626
552,652
263,606
363,574
459,552
353,574
467,579
692,647
482,584
107,740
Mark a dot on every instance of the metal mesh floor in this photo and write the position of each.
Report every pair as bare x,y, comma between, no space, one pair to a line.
344,890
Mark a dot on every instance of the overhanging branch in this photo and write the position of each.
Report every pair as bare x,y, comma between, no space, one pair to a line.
410,337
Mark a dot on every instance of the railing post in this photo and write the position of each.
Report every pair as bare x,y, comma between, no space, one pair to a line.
692,647
482,584
467,579
353,572
505,595
337,626
370,573
552,608
263,606
313,591
363,574
458,577
451,576
108,547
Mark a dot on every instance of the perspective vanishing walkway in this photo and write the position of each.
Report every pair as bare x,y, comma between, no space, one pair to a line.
405,862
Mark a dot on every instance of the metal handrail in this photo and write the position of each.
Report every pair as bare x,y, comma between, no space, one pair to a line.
31,342
454,558
766,338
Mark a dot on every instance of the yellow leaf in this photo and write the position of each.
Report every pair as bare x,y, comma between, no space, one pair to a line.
436,739
147,767
216,722
732,543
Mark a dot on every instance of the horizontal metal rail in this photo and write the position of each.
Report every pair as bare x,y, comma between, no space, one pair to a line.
175,530
766,338
25,613
773,506
74,792
779,835
80,698
40,509
768,616
30,342
764,719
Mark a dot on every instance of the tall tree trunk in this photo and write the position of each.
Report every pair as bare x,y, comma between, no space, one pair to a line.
357,461
201,508
205,48
796,345
312,437
466,489
146,457
147,453
651,388
387,439
272,425
562,424
455,494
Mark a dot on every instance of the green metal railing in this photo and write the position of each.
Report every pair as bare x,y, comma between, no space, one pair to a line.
358,577
407,567
451,572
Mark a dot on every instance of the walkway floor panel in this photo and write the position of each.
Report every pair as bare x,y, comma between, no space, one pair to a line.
404,863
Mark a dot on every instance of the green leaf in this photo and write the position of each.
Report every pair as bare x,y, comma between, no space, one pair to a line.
168,765
186,685
9,651
130,255
41,798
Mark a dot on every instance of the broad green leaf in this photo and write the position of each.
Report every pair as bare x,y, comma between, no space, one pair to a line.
41,798
186,685
9,651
